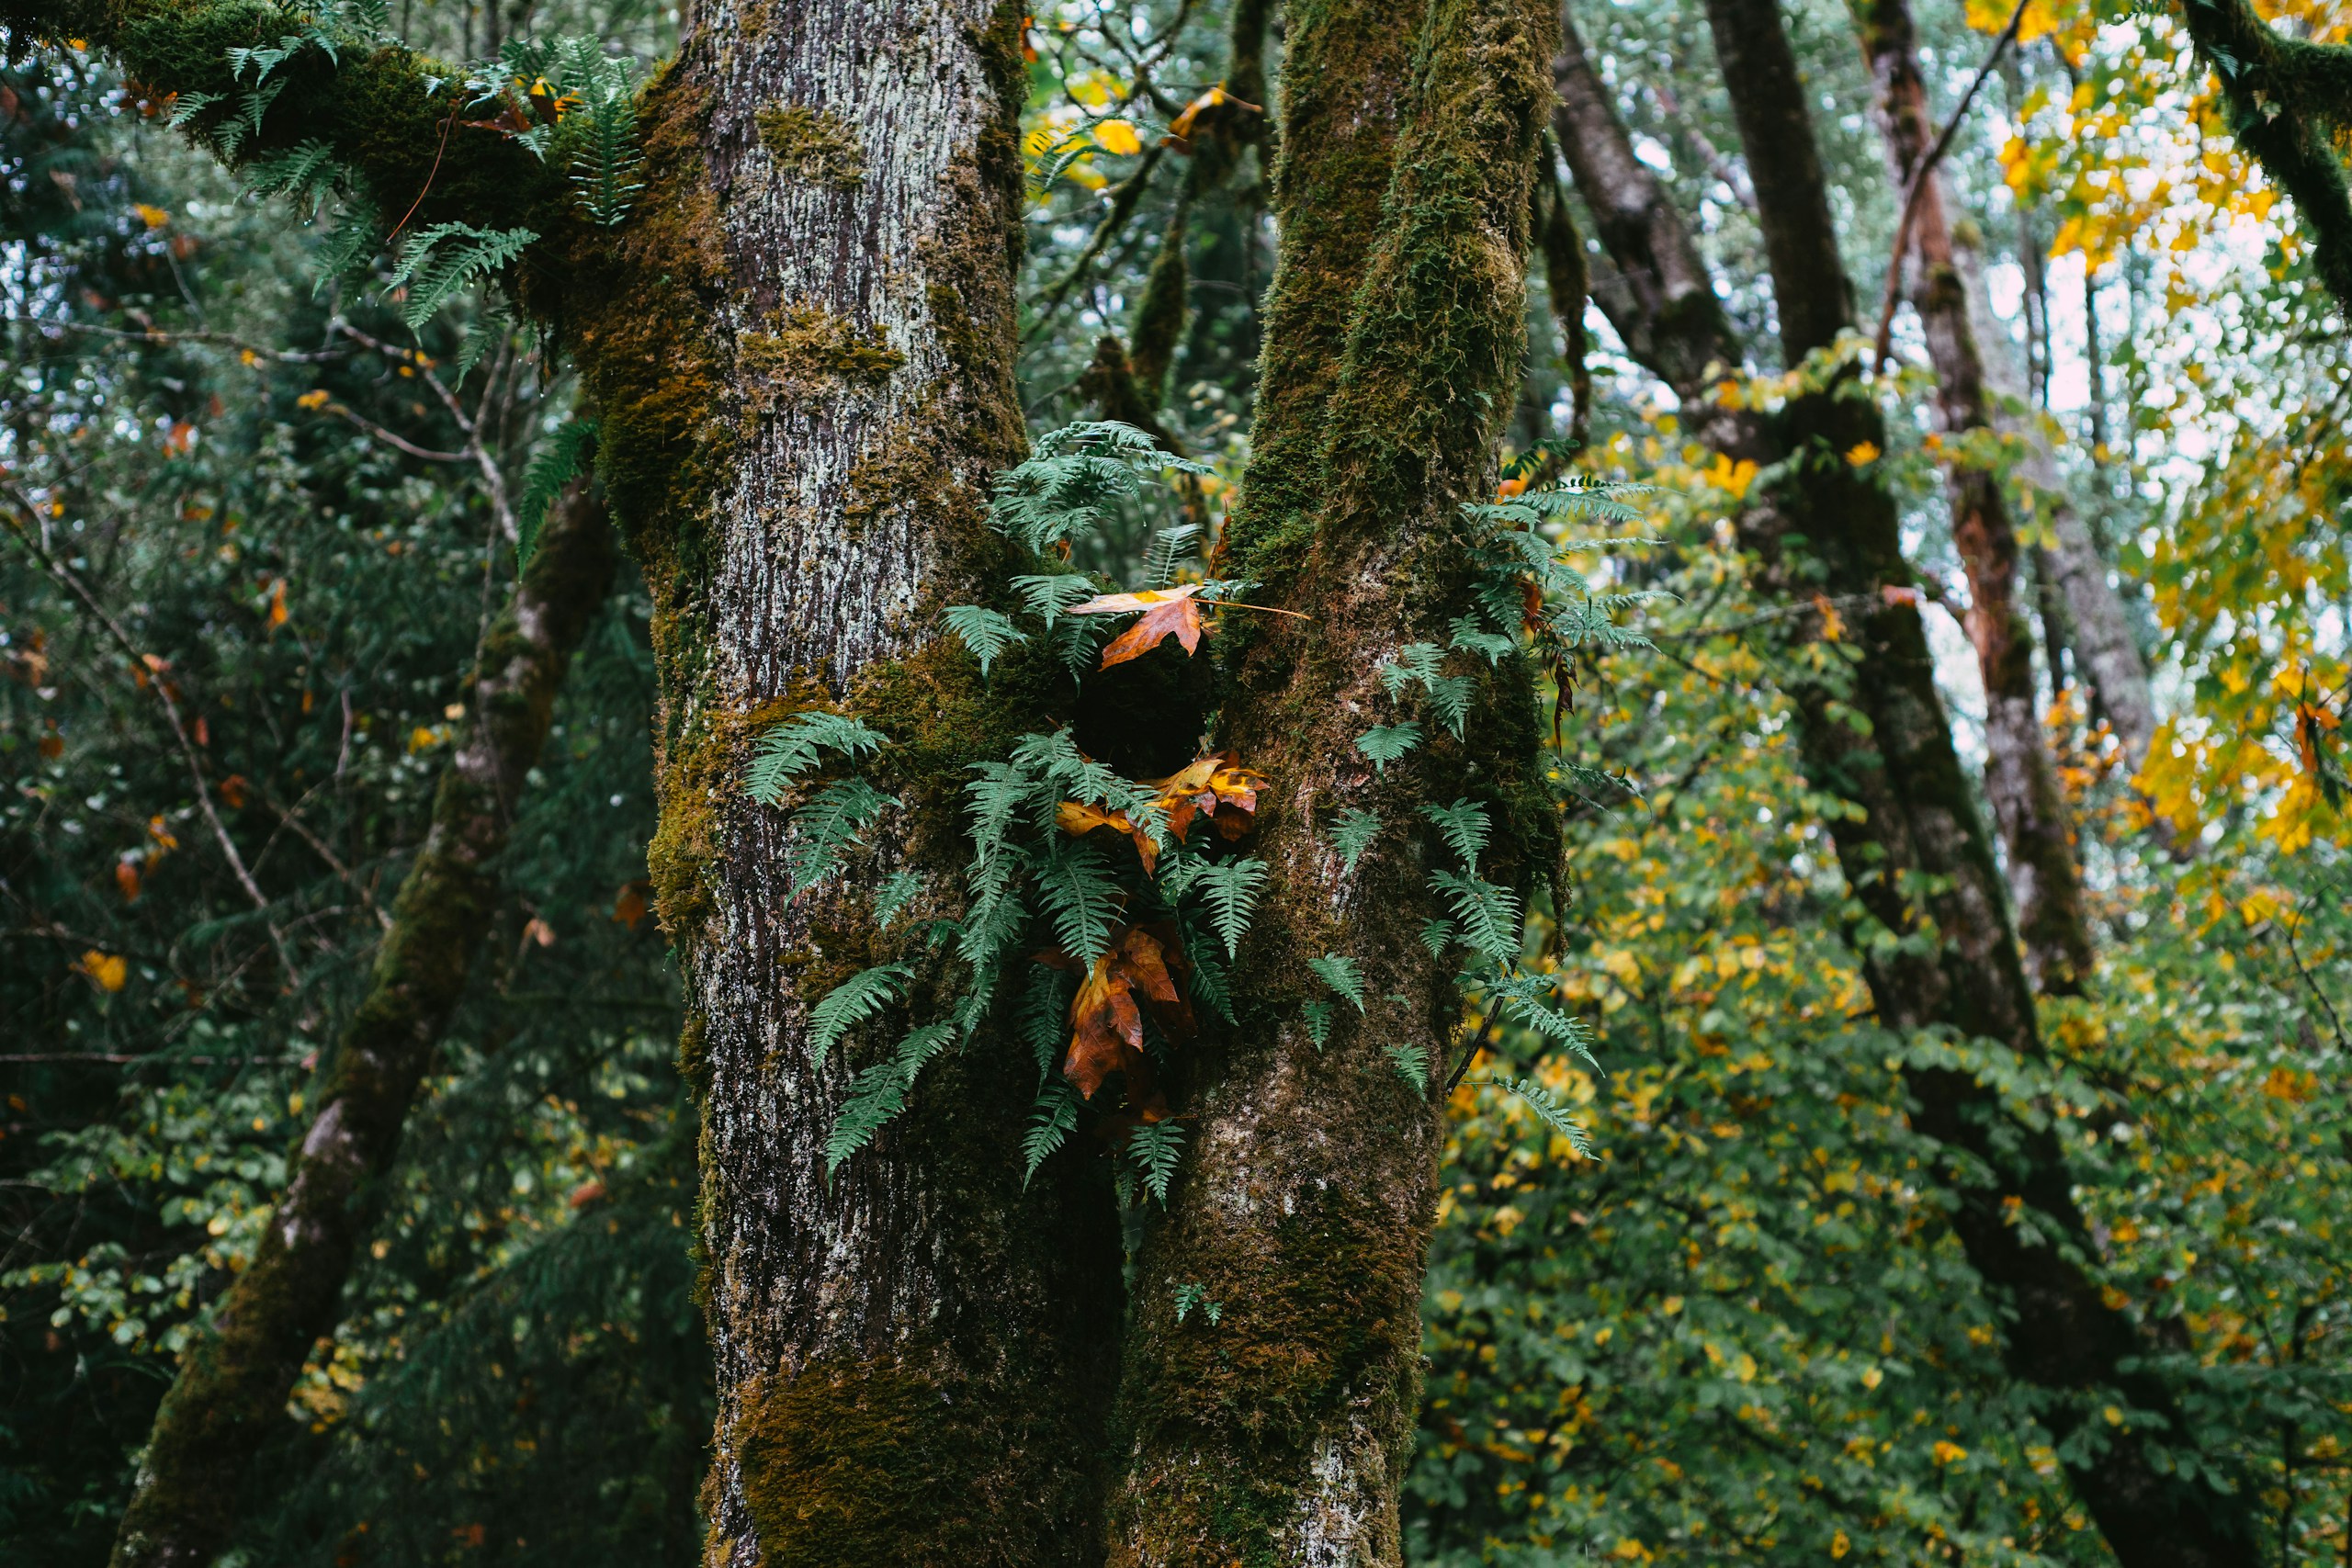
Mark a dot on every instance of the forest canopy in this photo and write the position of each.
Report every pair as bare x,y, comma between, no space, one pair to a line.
827,781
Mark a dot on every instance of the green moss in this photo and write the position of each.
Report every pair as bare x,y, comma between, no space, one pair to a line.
810,144
809,348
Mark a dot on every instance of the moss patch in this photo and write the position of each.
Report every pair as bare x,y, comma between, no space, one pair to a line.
810,348
809,144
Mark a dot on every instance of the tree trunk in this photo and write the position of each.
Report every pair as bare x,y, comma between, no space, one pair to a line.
2020,777
2106,653
803,345
1917,836
228,1396
1279,1429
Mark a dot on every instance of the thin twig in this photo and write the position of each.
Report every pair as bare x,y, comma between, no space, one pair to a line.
291,818
446,126
1917,187
30,532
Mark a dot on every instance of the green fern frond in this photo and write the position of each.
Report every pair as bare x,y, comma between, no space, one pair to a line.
1318,1021
1341,974
1547,1108
1412,1065
307,172
825,830
563,458
995,797
985,632
442,259
878,1094
1384,743
1081,899
1523,997
1471,637
1154,1148
1073,477
791,749
890,900
1230,890
1437,936
608,159
1464,826
1414,661
851,1003
1353,834
1485,917
1051,1120
1041,1021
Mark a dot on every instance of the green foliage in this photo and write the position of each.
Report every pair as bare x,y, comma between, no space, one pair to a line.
1353,834
1193,1296
1343,975
568,454
987,633
899,889
1464,826
1547,1108
1485,917
796,746
878,1094
1080,898
1230,889
1384,743
1150,1156
829,827
1411,1060
863,996
435,263
1072,480
1421,663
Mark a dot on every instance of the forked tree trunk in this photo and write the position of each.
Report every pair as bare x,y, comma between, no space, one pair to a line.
2020,776
1279,1430
229,1396
803,345
1917,851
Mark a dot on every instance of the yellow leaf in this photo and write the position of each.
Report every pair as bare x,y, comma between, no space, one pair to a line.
1860,453
1117,136
1839,1545
109,970
153,217
312,400
1872,1377
1948,1453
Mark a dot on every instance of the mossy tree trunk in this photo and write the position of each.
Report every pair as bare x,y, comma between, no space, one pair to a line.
1914,853
800,346
806,363
2020,775
228,1394
1279,1430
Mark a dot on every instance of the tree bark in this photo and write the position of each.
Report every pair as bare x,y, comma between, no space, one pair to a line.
2106,653
1917,857
807,388
1279,1432
229,1396
2020,776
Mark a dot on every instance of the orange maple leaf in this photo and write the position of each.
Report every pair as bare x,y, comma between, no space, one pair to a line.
1106,1024
1077,821
1227,795
1167,611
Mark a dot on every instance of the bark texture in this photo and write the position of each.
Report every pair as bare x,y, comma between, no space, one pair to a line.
228,1396
2020,776
1916,857
808,387
1280,1432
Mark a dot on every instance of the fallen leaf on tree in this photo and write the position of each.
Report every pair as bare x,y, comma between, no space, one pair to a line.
1167,611
1106,1022
1227,795
1078,820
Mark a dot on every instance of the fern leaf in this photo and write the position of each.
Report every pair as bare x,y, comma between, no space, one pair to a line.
1318,1021
441,260
564,457
1341,974
995,795
1416,662
878,1094
1547,1108
1051,1120
1523,995
851,1003
890,900
828,826
1464,826
1230,890
986,633
1154,1149
1484,916
1412,1065
1384,743
1042,1021
1471,637
1081,899
1437,936
792,748
1354,834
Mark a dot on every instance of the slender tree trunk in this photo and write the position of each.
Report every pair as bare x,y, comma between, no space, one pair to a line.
1916,853
2107,655
803,345
2020,777
1279,1431
228,1396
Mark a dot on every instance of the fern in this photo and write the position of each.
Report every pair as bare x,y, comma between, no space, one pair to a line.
1230,890
1412,1065
1353,834
1384,743
1523,997
1048,595
851,1003
878,1094
986,633
565,455
1318,1021
307,172
350,244
1437,936
1207,986
1421,663
1168,547
791,749
1041,1021
1471,637
1462,825
825,830
1414,661
1081,899
441,260
1341,974
995,795
1192,1296
1154,1147
890,900
606,166
1484,916
1547,1108
1051,1120
1073,476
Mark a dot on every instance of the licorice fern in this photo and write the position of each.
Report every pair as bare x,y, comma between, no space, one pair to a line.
562,458
1353,834
829,827
1341,974
438,262
1230,890
851,1003
794,747
1547,1108
1464,826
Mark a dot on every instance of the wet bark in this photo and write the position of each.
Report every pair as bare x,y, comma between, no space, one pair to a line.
229,1396
806,367
2020,776
1917,857
1279,1432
